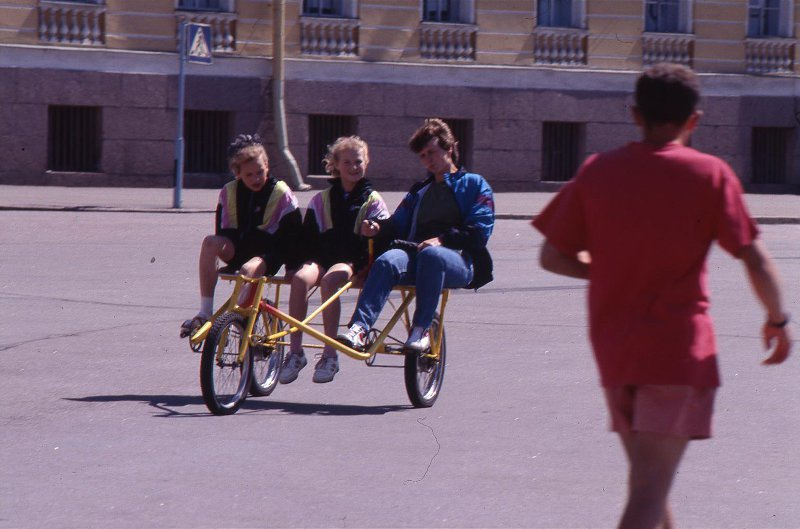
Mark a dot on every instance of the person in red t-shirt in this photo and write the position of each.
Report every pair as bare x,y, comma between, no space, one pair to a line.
637,222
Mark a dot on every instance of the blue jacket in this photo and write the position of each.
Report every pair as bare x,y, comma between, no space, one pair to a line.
475,201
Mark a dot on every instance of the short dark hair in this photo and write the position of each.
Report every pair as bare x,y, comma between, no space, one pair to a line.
434,128
667,93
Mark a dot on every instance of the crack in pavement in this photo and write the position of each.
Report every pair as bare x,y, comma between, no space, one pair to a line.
430,463
6,347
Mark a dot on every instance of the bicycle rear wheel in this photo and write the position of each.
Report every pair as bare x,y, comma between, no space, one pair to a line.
267,359
224,379
424,375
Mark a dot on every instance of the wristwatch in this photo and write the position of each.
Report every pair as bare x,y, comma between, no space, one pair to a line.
780,324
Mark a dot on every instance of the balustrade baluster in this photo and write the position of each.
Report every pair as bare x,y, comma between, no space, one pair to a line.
63,30
43,24
74,31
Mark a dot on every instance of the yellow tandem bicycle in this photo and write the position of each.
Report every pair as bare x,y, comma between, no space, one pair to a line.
242,346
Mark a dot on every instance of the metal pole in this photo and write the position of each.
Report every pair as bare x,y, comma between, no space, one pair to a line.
278,107
179,150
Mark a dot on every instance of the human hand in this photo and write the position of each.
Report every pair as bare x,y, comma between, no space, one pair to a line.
780,338
370,228
435,241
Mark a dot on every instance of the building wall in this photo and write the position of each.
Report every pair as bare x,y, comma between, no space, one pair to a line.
506,90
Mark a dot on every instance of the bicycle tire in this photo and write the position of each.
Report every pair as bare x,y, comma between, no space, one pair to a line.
424,375
224,380
267,360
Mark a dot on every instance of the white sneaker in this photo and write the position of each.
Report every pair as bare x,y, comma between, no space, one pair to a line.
355,337
326,369
418,339
292,366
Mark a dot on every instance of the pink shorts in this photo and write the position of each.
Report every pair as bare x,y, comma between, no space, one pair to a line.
676,411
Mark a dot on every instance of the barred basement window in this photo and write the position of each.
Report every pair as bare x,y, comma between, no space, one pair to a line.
770,155
561,145
207,134
74,139
462,130
323,130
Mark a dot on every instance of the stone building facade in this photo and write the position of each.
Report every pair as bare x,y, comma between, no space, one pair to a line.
88,89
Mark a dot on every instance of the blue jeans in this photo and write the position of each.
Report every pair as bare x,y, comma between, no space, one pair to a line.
430,270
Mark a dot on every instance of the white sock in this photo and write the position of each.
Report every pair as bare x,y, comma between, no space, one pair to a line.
207,305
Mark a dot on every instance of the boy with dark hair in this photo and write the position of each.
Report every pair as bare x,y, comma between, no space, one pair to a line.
637,222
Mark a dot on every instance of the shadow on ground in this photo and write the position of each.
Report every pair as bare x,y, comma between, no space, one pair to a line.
169,406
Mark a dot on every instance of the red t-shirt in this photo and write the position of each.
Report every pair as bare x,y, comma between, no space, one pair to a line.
648,215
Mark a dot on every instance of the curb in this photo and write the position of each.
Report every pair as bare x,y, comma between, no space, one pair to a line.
108,209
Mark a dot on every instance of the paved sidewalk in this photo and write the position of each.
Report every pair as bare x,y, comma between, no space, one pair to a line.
767,209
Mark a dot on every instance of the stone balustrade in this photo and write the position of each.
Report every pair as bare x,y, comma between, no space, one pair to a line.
668,47
72,23
336,37
223,28
560,46
447,42
769,55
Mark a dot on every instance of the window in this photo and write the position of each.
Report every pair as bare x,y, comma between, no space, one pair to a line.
770,155
206,5
439,11
323,130
462,130
769,18
560,150
207,134
662,16
561,13
448,11
322,8
73,139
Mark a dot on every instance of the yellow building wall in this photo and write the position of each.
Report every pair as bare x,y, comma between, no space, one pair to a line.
389,30
19,22
615,29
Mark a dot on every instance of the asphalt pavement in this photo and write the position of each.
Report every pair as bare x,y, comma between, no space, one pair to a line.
102,423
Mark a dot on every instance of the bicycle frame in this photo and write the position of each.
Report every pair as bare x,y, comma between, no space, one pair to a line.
250,311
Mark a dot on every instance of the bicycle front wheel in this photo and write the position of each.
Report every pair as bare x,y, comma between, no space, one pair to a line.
267,358
423,374
224,379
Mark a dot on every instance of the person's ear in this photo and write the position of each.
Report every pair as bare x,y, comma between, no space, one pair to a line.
693,120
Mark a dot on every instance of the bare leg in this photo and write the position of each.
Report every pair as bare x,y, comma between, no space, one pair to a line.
255,267
303,280
653,460
332,281
213,247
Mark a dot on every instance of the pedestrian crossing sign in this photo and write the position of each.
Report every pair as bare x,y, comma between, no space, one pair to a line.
198,43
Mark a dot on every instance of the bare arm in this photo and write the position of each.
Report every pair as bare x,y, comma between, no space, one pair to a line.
552,260
766,285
